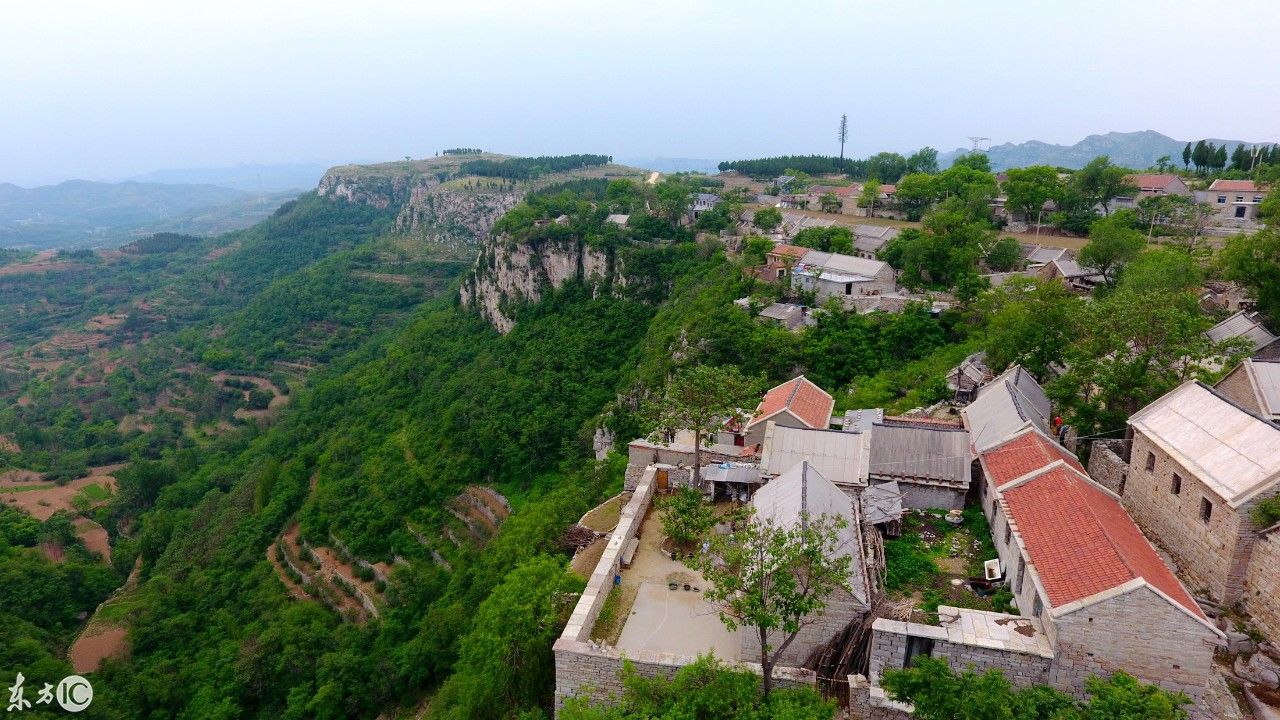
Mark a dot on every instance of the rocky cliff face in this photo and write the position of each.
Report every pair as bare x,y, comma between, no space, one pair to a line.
453,214
507,274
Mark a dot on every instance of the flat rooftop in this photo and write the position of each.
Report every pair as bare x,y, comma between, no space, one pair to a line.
661,620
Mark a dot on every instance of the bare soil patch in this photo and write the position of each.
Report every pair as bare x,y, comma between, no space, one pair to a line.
42,499
9,445
94,537
98,644
585,560
604,517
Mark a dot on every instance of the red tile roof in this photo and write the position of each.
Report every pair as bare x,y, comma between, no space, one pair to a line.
1153,182
1235,186
802,398
1082,542
888,188
1024,453
794,251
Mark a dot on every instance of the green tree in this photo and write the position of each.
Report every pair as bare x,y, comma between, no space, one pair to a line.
1029,322
686,517
701,399
1004,255
1099,182
916,192
869,196
1254,262
924,160
767,219
842,134
674,197
775,578
829,203
1029,188
1186,156
836,238
976,160
1113,243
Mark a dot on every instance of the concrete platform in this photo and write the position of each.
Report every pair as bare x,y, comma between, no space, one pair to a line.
680,622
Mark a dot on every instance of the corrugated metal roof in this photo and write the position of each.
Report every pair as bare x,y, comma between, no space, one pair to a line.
845,264
919,452
1232,451
1011,402
803,490
731,472
861,420
1244,325
840,456
882,502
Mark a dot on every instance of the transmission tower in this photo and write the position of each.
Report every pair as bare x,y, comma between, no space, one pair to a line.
977,142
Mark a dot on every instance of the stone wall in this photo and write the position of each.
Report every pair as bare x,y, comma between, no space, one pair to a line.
889,651
1262,585
1211,557
870,703
928,496
1137,631
1236,386
1107,467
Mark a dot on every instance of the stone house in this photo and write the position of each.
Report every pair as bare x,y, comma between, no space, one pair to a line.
929,461
786,501
797,403
700,203
1255,386
965,378
1236,201
833,275
869,239
1198,465
1262,584
1093,596
1010,403
842,457
1247,325
781,261
1150,185
1071,273
846,195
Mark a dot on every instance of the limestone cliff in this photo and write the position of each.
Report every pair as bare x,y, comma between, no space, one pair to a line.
455,213
507,274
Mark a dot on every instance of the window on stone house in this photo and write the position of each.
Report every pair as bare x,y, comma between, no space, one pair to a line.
1017,583
1257,198
1239,198
1124,477
1151,461
1008,532
1176,486
1037,607
1222,199
1206,510
917,647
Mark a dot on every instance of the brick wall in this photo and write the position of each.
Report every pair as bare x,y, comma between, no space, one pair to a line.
869,703
1138,632
1107,467
1262,586
1211,557
1236,386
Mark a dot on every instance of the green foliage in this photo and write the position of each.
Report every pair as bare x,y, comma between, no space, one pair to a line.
1099,183
836,239
907,563
1028,189
531,167
1254,262
703,690
755,249
1004,255
939,693
767,219
768,577
944,251
686,517
1267,513
1113,243
1028,322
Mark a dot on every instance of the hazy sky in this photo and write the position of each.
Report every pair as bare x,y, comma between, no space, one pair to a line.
109,89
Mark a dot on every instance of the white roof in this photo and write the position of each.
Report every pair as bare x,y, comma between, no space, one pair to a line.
840,456
1264,376
1232,451
804,491
1008,404
618,219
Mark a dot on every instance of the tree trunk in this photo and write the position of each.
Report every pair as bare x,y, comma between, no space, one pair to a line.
766,667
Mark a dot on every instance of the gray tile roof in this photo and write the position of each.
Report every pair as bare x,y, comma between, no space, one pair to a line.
920,452
1242,324
1007,404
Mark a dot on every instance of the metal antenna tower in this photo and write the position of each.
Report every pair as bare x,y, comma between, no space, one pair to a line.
977,142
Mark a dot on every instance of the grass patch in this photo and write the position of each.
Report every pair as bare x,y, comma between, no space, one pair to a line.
604,517
613,614
95,492
932,552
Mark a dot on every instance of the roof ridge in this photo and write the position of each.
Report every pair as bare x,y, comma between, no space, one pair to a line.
796,382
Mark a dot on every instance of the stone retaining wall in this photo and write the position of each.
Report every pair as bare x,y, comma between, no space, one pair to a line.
1262,585
1107,467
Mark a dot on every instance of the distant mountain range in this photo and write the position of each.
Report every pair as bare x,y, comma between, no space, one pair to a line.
250,177
1138,150
81,213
